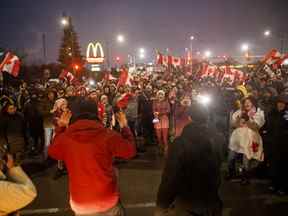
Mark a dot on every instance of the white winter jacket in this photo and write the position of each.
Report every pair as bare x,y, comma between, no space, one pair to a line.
246,141
16,191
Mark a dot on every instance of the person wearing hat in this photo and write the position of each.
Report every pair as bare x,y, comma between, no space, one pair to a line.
87,149
13,131
191,177
276,130
34,120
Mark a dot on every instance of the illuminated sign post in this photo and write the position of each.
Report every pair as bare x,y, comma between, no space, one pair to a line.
95,56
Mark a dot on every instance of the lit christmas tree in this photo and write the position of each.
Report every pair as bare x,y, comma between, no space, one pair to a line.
69,54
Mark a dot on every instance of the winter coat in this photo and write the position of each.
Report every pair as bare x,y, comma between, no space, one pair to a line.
245,140
13,132
88,149
145,108
45,107
192,172
132,109
33,117
16,193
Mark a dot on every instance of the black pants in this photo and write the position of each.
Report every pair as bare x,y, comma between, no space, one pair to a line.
279,175
38,140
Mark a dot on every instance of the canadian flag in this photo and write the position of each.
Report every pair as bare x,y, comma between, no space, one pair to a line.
11,64
123,100
209,71
159,58
66,75
108,76
275,58
232,75
125,78
176,61
271,57
283,58
165,60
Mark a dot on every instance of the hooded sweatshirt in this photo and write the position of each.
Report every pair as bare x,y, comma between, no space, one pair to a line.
88,149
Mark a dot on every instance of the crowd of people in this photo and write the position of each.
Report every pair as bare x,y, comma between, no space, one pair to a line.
246,120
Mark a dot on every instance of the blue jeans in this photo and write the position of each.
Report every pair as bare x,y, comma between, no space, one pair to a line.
232,159
48,135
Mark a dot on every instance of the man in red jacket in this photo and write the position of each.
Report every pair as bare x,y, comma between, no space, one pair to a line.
88,149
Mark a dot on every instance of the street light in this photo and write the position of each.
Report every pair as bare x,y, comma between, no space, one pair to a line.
245,47
141,50
64,21
191,54
267,33
120,38
207,54
142,55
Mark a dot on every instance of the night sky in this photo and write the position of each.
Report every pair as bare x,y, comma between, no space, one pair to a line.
218,25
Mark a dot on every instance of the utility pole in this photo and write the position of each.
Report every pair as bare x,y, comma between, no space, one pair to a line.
44,48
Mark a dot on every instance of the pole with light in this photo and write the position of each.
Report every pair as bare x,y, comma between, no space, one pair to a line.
207,54
120,39
267,33
246,49
65,22
191,50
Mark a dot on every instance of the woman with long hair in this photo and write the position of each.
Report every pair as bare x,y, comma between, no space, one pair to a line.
161,110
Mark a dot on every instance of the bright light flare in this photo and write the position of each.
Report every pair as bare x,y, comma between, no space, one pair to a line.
204,99
76,67
120,38
142,55
267,33
245,47
141,50
64,21
91,82
207,54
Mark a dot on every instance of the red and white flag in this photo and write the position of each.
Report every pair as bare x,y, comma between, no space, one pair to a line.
159,58
11,64
108,76
232,75
123,100
66,75
283,58
125,78
271,57
209,71
176,61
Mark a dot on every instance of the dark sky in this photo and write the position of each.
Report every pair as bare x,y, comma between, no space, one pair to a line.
219,25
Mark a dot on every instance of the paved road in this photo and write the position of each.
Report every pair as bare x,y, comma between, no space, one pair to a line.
139,180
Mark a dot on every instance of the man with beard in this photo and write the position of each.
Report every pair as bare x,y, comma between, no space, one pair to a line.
191,176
